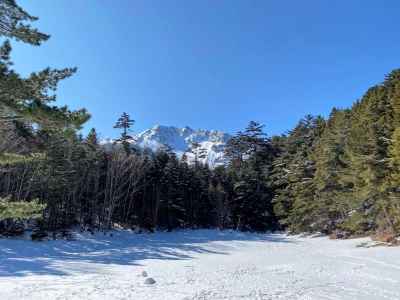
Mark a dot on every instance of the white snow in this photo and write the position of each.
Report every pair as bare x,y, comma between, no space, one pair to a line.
197,265
180,140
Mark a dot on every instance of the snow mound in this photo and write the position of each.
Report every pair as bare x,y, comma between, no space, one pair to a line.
149,281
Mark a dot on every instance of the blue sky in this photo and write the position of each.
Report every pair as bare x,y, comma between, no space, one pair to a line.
213,64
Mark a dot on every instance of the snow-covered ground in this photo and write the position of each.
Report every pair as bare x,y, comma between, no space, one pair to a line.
204,264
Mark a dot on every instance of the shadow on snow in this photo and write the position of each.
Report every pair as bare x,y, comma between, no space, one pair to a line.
22,257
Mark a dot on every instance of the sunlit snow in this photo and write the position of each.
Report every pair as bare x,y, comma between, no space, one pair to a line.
203,264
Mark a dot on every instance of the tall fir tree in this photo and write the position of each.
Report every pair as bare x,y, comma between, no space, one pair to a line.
125,123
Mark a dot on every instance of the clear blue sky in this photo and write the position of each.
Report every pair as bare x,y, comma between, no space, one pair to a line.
214,64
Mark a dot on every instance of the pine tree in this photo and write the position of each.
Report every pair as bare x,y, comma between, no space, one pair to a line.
25,102
391,209
331,189
13,24
251,157
367,149
172,202
293,201
125,123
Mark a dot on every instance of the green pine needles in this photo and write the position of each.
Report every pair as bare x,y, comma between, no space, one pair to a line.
20,210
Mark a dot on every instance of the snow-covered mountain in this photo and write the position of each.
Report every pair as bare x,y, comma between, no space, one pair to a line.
182,141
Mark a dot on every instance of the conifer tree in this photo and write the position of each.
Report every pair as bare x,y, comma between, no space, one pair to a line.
27,101
125,123
14,23
251,160
293,202
332,191
391,209
367,149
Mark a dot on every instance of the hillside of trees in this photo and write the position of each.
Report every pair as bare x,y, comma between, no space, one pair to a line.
341,173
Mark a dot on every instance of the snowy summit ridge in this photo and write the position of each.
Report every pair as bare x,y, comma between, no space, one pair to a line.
210,143
183,141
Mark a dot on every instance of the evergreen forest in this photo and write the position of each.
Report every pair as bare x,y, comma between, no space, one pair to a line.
334,175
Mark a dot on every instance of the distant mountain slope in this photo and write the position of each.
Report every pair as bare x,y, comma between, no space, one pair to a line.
183,141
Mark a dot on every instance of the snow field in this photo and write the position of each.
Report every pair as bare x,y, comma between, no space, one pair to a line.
197,265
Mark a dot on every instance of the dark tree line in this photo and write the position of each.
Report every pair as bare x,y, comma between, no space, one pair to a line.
81,183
